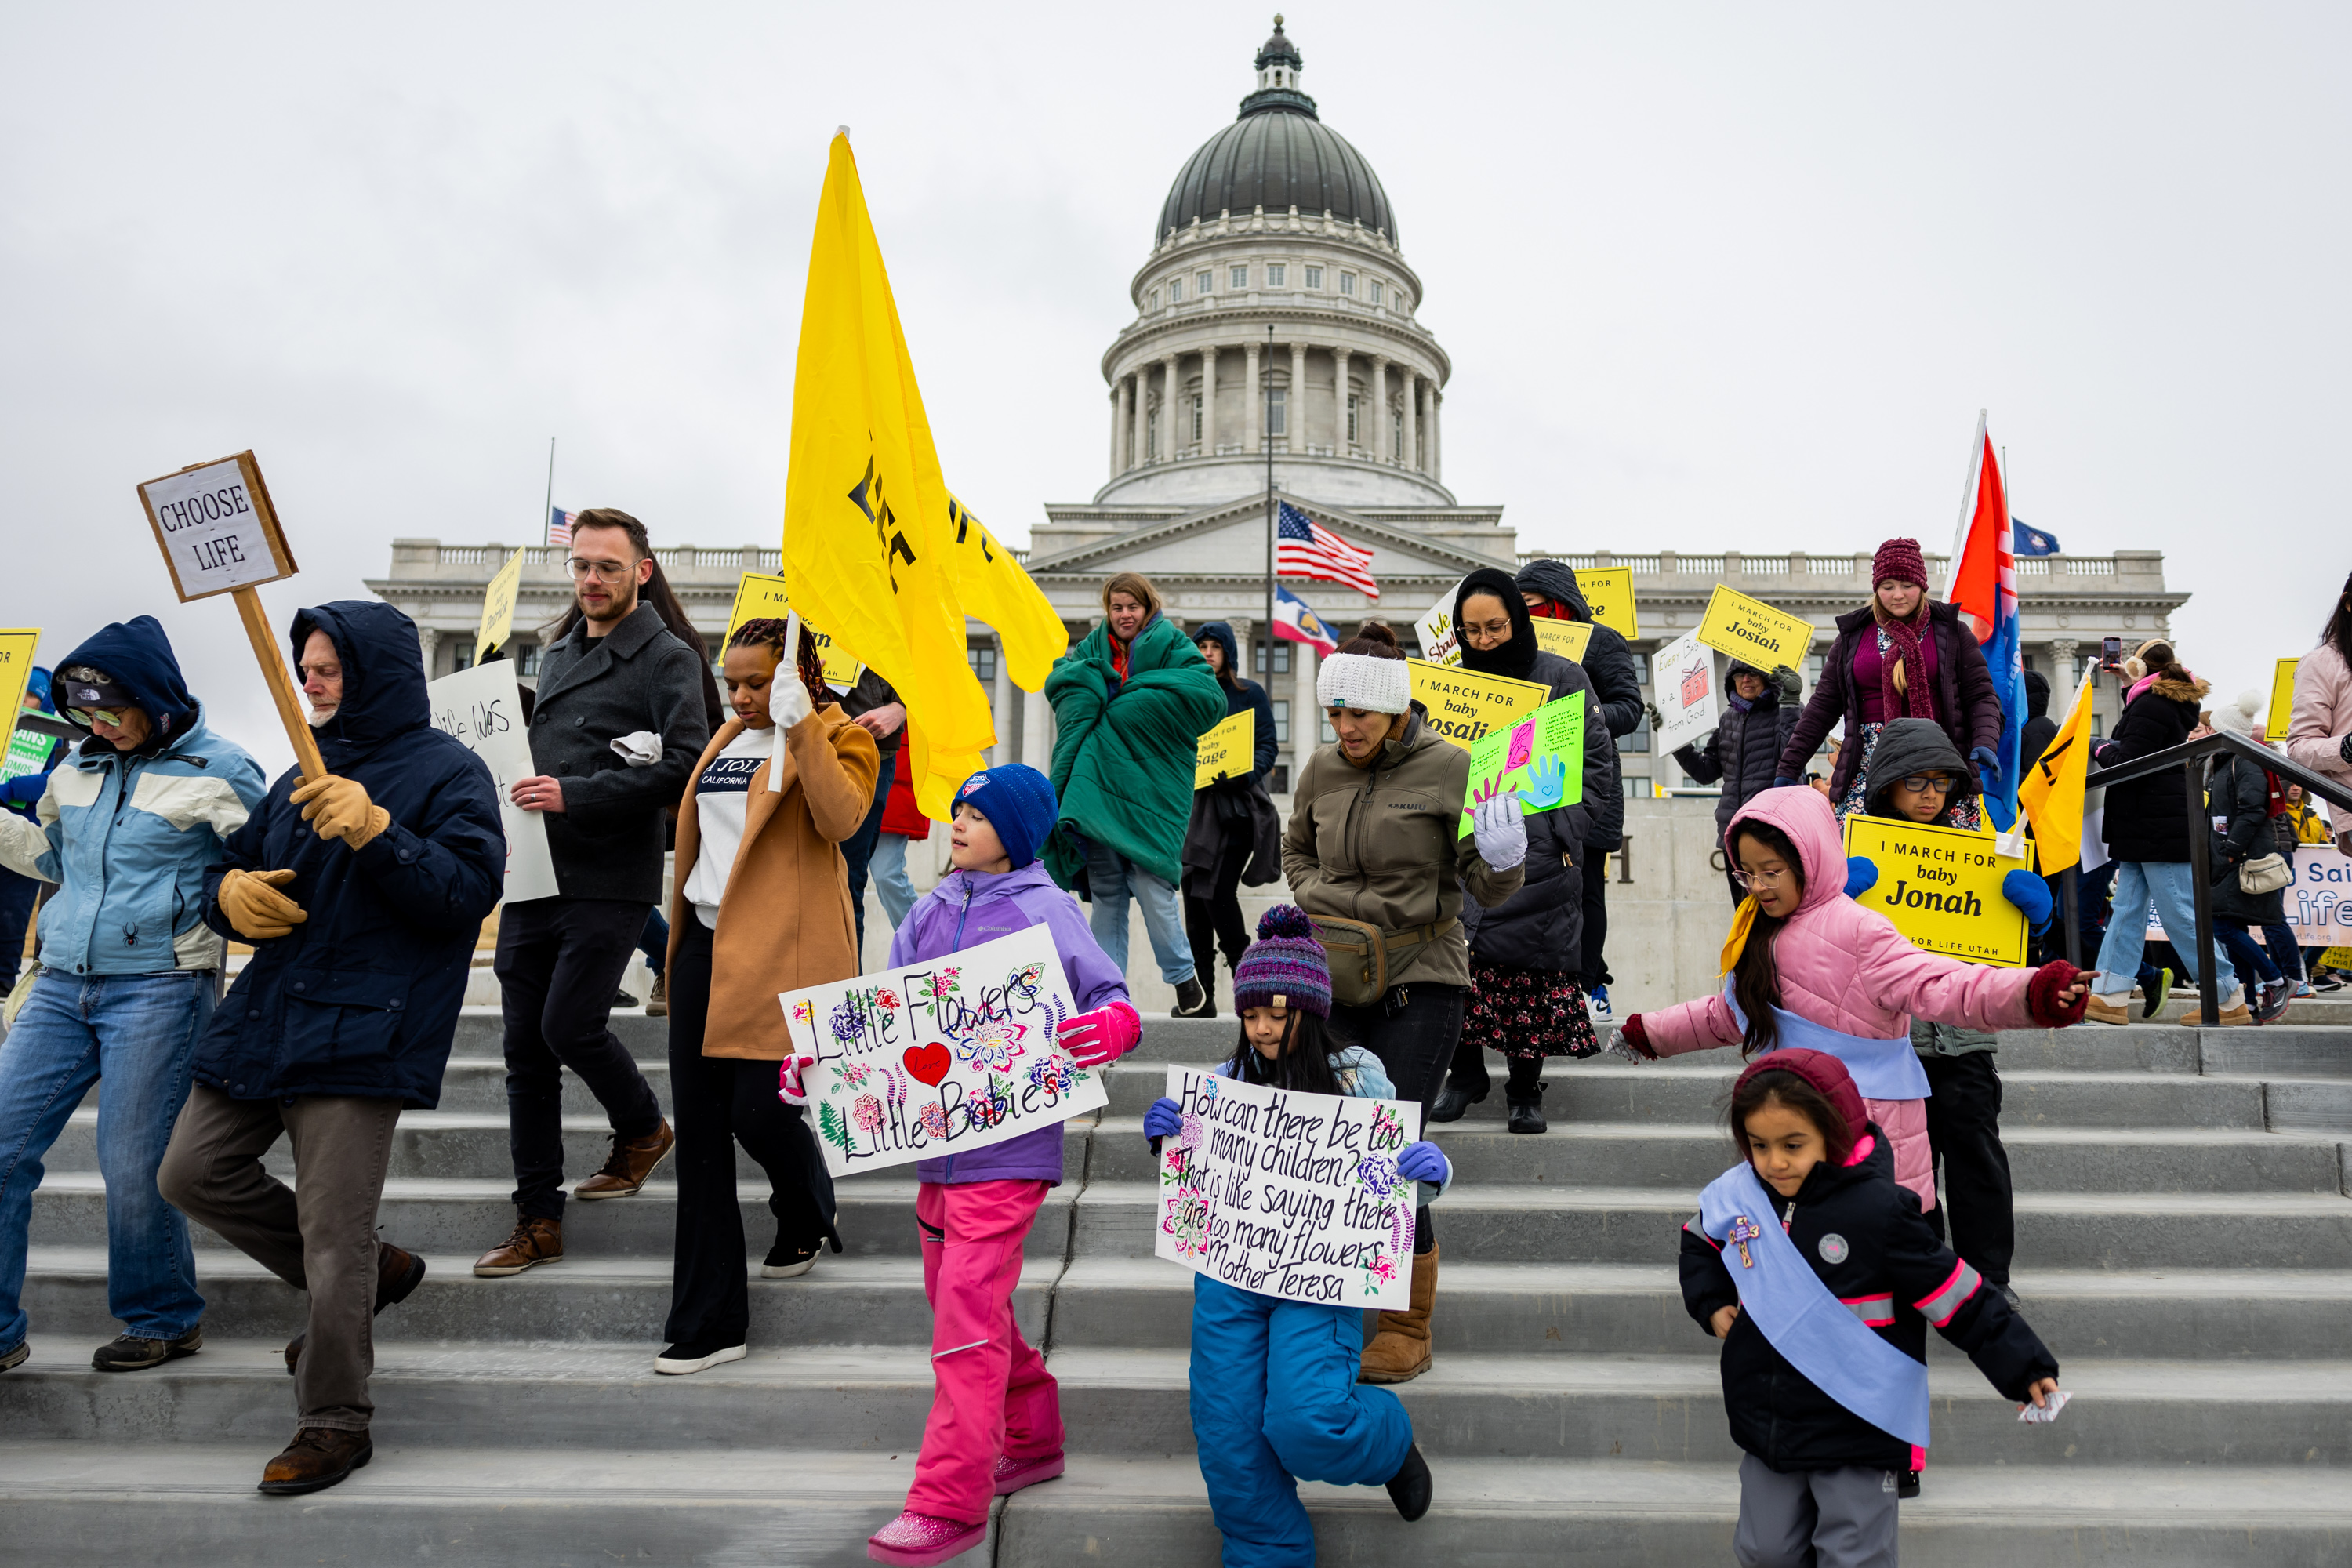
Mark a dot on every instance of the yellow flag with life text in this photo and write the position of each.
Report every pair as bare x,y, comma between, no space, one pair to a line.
996,590
2051,792
869,545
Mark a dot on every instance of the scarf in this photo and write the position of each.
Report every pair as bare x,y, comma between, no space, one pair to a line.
1903,690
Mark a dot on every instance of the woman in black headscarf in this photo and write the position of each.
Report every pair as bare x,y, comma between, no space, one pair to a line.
1525,956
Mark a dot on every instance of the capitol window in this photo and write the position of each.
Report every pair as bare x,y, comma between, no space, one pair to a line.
1204,284
1314,278
983,659
1355,419
1347,283
1275,273
1240,277
1396,433
1175,289
1275,425
1376,290
1155,299
1195,401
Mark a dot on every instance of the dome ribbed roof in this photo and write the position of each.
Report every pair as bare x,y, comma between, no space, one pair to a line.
1278,155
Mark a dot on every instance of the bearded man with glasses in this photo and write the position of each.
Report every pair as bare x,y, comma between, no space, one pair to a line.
616,726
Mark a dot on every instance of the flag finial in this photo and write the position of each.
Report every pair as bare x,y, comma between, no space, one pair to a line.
841,131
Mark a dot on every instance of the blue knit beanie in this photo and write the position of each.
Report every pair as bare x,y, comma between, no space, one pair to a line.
1018,802
1284,967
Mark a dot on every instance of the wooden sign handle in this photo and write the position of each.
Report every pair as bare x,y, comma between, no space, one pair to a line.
281,685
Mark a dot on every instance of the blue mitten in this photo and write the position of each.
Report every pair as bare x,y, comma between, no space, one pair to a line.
1782,781
2030,894
1861,875
1165,1118
1988,769
1424,1162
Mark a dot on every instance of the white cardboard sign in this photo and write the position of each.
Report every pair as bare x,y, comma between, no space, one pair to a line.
1295,1195
482,708
1688,688
1440,642
942,1057
216,527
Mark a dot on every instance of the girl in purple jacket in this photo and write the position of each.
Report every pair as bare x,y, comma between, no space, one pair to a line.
996,1417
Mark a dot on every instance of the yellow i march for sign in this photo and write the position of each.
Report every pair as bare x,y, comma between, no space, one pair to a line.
1752,630
16,647
498,607
1464,705
1228,749
2281,701
1608,592
1941,887
1566,639
761,596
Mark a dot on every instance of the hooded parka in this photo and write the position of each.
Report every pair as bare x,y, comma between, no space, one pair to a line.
1966,704
2147,819
1616,687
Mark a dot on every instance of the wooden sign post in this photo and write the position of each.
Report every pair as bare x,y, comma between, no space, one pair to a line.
219,535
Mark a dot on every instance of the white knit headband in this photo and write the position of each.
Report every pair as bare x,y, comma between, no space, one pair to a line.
1364,682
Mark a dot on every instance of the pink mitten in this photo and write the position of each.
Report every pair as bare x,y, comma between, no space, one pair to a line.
1105,1034
789,1088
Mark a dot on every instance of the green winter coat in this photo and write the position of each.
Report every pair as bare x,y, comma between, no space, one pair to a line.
1124,751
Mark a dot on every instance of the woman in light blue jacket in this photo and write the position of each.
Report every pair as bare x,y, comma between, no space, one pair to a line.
125,830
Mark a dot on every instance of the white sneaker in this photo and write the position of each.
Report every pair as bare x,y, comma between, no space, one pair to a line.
678,1365
1597,1006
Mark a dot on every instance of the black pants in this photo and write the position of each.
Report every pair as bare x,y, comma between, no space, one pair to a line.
559,961
1413,1030
720,1102
1212,913
857,849
1596,915
1964,1130
17,897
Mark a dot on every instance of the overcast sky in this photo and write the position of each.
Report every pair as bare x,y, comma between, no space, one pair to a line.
1711,274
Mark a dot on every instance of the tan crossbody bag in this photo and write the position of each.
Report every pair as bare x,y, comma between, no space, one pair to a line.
1360,953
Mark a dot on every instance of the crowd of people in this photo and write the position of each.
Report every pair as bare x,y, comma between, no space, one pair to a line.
1408,949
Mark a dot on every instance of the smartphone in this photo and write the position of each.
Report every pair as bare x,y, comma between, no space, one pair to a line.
2111,652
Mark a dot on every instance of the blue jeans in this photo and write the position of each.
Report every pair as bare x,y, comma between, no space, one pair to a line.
2166,883
1110,877
654,941
2245,954
891,883
1274,1399
137,1032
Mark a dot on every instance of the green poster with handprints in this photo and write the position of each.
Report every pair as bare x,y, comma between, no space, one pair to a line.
1541,757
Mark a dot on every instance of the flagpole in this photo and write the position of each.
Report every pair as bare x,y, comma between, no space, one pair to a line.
1266,435
547,510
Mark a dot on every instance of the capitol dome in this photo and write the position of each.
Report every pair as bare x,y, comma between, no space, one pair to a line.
1277,155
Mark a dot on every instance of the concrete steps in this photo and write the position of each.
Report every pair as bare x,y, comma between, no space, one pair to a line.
2185,1246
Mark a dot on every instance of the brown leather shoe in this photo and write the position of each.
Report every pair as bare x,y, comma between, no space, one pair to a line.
397,1273
534,1242
317,1459
632,1163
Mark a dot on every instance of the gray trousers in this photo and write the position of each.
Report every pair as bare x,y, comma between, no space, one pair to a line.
318,1237
1815,1519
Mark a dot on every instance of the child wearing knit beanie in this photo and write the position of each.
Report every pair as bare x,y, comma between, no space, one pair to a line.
1274,1392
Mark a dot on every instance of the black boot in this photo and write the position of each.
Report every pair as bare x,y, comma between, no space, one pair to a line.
1194,1000
1527,1107
1452,1101
1410,1488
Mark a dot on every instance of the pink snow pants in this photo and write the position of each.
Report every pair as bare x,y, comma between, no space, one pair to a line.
1904,1123
993,1396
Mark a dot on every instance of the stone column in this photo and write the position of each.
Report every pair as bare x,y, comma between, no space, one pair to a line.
1339,401
1243,628
1122,398
427,640
1036,737
1411,393
1209,400
1168,408
1380,441
2062,686
1000,707
1435,472
1297,424
1253,396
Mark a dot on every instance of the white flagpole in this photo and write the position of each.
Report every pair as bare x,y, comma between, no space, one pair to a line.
793,658
1968,508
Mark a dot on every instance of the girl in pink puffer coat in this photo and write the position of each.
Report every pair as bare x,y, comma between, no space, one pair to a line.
1831,975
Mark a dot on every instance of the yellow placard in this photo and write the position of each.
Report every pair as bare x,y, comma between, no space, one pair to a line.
1754,631
1566,639
18,645
1609,592
761,596
1231,749
2337,958
1464,705
2281,701
1941,887
498,607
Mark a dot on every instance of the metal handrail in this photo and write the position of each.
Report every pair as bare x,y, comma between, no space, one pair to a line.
2195,759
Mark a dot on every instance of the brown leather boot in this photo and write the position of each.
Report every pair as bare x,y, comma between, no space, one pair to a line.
534,1242
397,1273
631,1164
317,1459
1400,1352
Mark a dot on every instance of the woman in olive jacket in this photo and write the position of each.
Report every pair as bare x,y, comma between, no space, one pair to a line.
1375,836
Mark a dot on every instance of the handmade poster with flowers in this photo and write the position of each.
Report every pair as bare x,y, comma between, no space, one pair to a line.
1295,1195
939,1058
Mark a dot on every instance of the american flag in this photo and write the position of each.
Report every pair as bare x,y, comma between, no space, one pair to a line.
559,526
1303,548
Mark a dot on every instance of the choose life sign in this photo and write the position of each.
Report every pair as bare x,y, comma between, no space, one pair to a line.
216,527
1295,1195
937,1057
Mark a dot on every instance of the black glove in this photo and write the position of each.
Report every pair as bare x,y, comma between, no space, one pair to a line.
2345,751
1790,681
1657,721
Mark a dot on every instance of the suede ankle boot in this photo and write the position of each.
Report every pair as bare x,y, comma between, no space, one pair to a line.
1400,1352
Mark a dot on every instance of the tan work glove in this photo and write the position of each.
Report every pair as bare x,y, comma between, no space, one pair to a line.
255,907
340,808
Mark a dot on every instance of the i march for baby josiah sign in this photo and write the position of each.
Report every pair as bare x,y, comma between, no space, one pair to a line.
949,1055
1288,1194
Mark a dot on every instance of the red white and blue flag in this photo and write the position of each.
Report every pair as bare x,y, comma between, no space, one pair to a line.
1305,548
1294,620
559,526
1983,588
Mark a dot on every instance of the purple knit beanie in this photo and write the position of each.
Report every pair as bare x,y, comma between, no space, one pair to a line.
1899,561
1284,967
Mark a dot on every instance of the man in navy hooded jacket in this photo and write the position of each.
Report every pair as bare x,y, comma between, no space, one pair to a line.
362,892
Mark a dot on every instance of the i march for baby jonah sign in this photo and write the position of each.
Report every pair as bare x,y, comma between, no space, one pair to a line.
939,1058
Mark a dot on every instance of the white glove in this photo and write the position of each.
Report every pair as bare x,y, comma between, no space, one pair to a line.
639,749
1500,830
788,700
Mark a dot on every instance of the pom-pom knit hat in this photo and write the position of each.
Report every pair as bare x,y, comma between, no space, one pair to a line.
1366,683
1286,966
1899,561
1018,802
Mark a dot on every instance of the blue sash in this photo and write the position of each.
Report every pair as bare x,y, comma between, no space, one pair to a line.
1811,1329
1882,1069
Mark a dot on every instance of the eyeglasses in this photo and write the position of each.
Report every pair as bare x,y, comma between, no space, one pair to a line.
603,570
1750,880
90,717
1928,784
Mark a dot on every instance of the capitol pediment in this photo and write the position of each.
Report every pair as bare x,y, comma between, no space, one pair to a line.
1228,540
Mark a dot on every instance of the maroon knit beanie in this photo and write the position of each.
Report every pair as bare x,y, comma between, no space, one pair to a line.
1899,561
1825,1073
